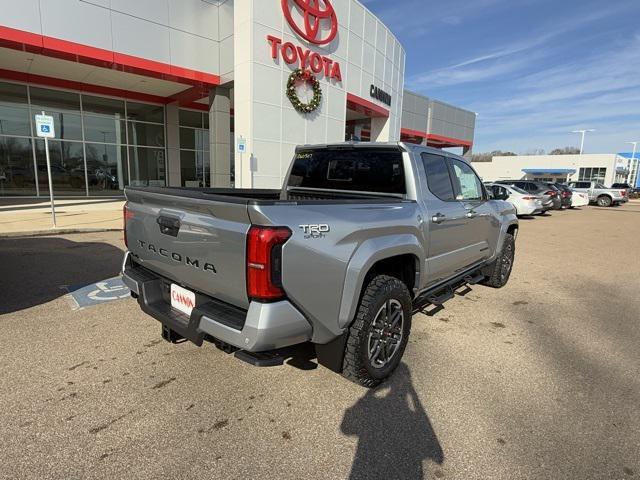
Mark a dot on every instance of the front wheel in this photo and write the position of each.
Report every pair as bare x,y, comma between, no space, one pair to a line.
379,334
498,272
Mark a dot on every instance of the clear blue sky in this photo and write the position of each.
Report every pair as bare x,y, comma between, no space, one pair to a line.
533,70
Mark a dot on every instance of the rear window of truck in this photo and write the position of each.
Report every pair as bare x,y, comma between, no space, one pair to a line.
375,170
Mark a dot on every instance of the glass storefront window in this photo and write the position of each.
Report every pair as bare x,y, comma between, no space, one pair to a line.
145,113
104,106
107,170
194,148
123,141
596,174
14,110
147,167
188,172
202,165
189,118
16,167
146,134
194,139
68,126
104,129
67,167
57,100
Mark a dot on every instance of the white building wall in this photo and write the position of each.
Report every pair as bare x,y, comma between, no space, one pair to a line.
368,54
507,168
182,33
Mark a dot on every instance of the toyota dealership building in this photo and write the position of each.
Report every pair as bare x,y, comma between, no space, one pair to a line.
198,92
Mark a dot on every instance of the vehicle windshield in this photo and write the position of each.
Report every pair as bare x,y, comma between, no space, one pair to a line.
376,170
518,190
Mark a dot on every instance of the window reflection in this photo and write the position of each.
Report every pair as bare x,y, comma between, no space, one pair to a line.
67,167
101,143
107,171
16,167
147,167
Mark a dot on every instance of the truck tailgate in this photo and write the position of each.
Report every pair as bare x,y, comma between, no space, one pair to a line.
198,243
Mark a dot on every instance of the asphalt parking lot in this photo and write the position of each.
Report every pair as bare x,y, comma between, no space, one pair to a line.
538,380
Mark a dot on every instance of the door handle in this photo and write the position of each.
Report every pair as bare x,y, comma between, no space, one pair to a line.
471,214
438,218
169,226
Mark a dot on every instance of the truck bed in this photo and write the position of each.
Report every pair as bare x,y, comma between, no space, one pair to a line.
267,197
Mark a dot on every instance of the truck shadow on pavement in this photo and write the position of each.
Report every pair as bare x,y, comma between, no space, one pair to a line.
34,271
394,432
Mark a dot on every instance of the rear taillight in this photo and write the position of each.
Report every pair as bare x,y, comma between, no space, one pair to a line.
623,192
551,193
126,215
264,262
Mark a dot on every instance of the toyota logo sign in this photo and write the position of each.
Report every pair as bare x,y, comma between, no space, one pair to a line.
314,18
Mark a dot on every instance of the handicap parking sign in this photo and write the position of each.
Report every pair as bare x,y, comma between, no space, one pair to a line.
44,126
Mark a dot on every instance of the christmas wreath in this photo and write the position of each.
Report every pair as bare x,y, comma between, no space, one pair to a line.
303,76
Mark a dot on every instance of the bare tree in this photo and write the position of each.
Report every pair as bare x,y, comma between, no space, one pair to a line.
565,151
487,156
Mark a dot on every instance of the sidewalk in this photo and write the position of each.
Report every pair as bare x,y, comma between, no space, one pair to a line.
32,217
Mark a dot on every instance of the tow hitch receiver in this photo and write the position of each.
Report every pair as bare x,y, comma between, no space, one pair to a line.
171,336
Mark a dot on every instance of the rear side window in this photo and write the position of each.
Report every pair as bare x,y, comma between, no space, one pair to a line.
373,170
466,182
438,178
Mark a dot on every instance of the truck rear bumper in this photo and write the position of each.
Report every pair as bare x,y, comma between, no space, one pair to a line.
263,327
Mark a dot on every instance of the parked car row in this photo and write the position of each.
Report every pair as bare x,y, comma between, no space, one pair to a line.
535,198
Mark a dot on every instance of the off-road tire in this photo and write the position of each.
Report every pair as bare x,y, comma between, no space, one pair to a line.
604,201
497,274
356,364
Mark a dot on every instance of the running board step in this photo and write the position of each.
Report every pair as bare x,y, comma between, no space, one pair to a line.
260,359
441,296
473,280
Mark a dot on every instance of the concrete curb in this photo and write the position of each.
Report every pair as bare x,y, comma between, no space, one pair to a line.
57,231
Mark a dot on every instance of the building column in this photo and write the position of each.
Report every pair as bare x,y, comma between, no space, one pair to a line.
380,129
220,136
173,145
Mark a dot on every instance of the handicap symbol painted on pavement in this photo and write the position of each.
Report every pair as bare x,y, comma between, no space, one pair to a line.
108,290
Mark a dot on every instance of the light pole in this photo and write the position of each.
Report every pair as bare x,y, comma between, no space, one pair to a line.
633,156
582,141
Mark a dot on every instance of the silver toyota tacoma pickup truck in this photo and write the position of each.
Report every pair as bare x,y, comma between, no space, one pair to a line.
361,236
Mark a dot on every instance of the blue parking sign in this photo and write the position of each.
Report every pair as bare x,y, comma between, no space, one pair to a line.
44,126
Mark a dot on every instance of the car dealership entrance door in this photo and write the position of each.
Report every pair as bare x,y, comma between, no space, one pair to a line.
366,121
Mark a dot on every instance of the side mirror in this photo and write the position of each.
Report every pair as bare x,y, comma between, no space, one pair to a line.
502,195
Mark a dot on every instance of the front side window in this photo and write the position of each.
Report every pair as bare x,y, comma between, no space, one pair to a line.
438,179
466,183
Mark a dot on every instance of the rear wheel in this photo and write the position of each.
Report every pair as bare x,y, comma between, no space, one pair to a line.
498,272
604,201
379,334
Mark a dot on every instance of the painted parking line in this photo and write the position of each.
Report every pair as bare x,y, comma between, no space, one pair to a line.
109,290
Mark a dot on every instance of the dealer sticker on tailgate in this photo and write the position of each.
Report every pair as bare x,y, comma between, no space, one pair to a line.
182,299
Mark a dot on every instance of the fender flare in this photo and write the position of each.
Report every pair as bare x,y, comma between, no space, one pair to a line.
368,254
504,228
